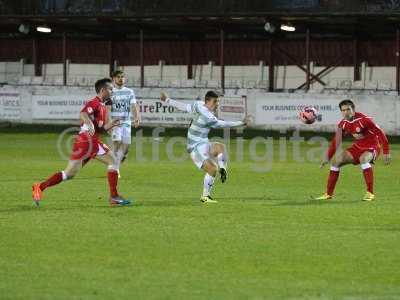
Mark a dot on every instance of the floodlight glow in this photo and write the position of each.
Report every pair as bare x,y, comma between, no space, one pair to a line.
287,27
44,29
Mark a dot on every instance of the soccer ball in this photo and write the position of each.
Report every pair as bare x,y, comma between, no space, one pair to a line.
308,115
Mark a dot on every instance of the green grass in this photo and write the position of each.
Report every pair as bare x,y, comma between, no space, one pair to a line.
265,239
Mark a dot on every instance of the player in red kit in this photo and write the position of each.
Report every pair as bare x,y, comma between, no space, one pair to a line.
369,141
87,145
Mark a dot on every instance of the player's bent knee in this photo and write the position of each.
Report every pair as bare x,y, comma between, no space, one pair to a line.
337,162
347,157
342,159
113,157
117,144
109,158
366,158
212,172
218,148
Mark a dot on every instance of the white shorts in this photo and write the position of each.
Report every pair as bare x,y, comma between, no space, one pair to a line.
121,134
200,154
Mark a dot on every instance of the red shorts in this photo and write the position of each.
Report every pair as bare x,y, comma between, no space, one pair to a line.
87,147
356,151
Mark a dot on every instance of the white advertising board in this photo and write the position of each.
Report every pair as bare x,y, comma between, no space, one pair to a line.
10,106
286,111
153,111
58,107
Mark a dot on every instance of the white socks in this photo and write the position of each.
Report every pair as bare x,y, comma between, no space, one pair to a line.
113,168
208,184
366,166
64,176
335,169
208,179
222,161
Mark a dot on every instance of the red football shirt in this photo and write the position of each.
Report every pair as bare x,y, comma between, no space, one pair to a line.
97,112
366,132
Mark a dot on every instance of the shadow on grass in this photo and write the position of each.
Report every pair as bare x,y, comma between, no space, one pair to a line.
312,202
250,198
169,203
274,201
165,202
43,208
19,208
29,179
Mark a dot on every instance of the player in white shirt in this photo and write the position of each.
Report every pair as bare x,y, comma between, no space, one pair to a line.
210,157
122,106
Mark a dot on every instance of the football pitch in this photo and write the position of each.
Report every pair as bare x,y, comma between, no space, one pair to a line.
265,239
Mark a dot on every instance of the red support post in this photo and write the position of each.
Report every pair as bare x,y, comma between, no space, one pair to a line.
271,80
110,56
222,63
64,58
141,59
308,59
189,61
356,73
398,61
35,57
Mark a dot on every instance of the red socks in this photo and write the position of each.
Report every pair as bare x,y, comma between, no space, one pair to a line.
58,177
332,179
113,182
369,177
53,180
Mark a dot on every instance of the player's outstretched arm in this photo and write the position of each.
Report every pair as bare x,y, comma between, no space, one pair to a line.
230,124
179,105
336,141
